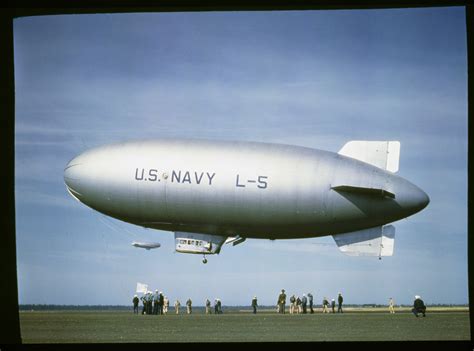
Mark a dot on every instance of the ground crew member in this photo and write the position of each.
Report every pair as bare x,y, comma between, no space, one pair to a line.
298,305
310,298
177,304
135,304
144,304
292,304
339,303
304,301
166,305
216,306
145,297
208,306
155,302
189,307
219,306
161,302
333,305
325,305
418,306
281,301
254,304
149,303
390,306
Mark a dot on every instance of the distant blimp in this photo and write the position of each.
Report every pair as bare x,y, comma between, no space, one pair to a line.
147,246
214,192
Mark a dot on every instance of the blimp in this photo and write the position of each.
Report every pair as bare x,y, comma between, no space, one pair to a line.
213,192
145,245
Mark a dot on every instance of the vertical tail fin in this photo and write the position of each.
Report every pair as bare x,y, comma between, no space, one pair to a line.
377,241
382,154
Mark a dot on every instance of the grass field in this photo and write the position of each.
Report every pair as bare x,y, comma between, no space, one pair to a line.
110,327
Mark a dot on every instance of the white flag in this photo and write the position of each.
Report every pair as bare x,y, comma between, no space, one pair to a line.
142,288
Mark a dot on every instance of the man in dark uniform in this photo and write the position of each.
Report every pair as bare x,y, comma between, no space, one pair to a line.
304,302
161,302
418,306
281,301
310,298
333,305
339,303
135,304
155,302
254,304
149,303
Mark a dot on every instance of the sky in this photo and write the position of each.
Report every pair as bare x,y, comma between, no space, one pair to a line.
311,78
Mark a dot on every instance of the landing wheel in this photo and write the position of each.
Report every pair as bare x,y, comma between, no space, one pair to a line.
204,260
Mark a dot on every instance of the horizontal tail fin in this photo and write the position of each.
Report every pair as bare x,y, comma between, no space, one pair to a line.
376,192
382,154
377,241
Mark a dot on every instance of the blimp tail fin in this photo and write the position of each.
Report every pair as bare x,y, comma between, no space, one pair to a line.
376,192
382,154
376,241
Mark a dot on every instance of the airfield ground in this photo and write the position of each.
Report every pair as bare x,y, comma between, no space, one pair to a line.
354,325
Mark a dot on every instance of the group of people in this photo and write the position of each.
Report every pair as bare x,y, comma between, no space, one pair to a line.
217,306
300,305
418,306
326,304
159,304
155,303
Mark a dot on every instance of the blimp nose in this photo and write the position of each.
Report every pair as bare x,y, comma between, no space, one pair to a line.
72,177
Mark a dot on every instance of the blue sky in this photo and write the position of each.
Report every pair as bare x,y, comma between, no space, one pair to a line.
311,78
